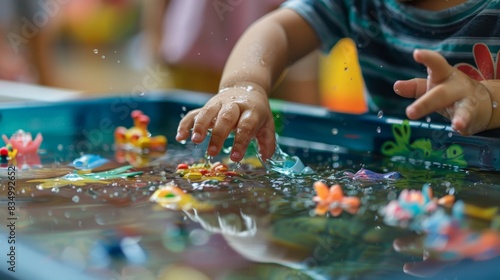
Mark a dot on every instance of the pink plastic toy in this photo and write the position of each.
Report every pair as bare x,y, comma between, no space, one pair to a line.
23,142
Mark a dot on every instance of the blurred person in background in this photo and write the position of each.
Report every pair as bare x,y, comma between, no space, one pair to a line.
25,41
44,41
194,38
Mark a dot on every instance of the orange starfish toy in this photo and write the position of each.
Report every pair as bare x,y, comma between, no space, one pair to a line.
333,199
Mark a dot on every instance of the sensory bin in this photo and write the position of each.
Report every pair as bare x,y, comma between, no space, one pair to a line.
105,192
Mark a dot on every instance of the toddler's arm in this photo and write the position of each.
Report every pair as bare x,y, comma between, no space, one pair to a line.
256,62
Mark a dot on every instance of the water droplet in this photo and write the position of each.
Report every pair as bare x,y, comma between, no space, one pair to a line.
428,119
55,189
75,199
60,147
198,237
199,53
118,61
142,93
494,104
379,129
114,51
103,57
450,134
96,51
67,215
183,108
335,131
183,142
380,114
39,187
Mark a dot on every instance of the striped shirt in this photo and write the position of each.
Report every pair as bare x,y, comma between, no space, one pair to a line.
386,32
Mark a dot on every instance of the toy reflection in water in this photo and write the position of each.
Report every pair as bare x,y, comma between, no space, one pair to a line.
333,200
135,158
172,197
138,138
448,238
81,179
365,174
205,171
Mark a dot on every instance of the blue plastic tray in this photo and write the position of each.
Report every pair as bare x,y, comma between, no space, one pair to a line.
88,124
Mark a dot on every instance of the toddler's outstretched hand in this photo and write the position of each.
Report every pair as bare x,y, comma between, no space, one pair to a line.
244,109
450,92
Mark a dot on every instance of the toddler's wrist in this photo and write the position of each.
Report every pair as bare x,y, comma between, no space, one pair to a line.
243,85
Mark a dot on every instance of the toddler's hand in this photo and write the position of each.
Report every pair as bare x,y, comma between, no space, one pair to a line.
448,91
244,109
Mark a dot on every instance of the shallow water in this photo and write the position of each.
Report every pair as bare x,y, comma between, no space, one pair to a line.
262,225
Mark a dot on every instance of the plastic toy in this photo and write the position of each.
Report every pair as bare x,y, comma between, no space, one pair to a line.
172,197
81,179
23,142
7,153
138,136
89,162
365,174
205,171
413,205
448,240
333,200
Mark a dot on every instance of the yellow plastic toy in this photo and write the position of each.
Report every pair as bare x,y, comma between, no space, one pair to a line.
138,136
172,197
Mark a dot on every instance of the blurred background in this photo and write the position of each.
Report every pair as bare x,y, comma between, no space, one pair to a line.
105,47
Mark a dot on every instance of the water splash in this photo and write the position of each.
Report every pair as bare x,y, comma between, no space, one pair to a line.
283,163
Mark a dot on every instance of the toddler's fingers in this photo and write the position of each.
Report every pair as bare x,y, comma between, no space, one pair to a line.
413,88
438,68
245,131
226,120
435,100
203,121
185,125
266,139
